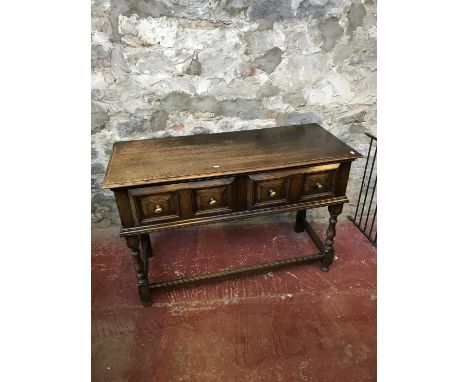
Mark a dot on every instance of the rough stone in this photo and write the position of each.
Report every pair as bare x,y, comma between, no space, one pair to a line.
238,88
100,57
200,130
294,99
259,42
234,7
351,133
298,70
296,118
302,35
276,9
265,24
159,120
194,67
350,53
341,85
153,61
97,168
275,104
184,9
331,31
118,64
182,101
151,31
352,116
145,8
176,101
190,123
223,61
98,121
269,60
134,125
103,209
268,90
242,108
356,14
286,10
206,104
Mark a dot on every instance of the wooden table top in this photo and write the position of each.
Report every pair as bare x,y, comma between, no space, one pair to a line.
158,160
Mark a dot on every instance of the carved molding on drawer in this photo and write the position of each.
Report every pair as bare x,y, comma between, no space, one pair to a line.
157,207
318,185
263,191
212,200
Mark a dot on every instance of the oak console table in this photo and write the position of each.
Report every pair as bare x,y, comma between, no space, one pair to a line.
175,182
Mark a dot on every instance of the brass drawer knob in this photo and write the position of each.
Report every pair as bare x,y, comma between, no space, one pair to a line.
319,186
271,193
158,209
212,202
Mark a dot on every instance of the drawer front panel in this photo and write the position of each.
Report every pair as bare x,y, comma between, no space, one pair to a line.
181,200
199,198
267,189
157,206
320,184
268,192
291,185
213,196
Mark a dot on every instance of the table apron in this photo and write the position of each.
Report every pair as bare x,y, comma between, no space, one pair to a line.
137,230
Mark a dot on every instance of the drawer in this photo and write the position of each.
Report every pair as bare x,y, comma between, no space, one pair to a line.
153,204
212,196
181,200
318,184
291,185
267,189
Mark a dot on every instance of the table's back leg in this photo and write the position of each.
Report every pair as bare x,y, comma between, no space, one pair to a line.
329,252
146,245
133,243
300,217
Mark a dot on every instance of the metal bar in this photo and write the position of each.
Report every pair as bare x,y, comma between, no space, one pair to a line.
358,205
371,136
363,178
368,183
373,242
370,204
233,272
373,220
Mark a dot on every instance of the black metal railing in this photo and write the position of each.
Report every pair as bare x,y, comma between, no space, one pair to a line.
371,213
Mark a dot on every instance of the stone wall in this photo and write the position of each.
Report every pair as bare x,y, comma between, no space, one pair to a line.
181,67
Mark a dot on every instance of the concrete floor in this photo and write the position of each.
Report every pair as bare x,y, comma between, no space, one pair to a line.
293,324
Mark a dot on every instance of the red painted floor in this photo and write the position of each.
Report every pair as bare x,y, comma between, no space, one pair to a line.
293,324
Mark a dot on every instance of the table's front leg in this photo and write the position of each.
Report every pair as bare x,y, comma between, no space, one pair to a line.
329,252
133,243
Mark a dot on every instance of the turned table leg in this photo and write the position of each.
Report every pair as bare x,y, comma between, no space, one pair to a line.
133,243
300,217
329,252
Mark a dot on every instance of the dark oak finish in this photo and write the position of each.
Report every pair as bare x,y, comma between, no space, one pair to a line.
140,268
234,272
328,251
208,155
176,182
